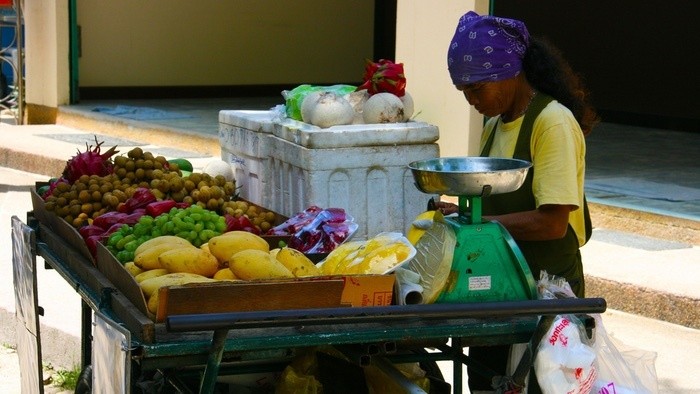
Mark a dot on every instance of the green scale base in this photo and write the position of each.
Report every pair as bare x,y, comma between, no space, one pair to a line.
487,265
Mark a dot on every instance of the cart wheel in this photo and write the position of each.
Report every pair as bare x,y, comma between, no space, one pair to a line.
84,385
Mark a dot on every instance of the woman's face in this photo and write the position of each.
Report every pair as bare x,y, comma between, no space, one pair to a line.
489,98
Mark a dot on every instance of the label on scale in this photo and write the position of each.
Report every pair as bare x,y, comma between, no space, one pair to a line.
480,283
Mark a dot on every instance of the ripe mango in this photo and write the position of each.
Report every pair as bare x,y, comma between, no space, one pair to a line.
132,268
189,259
148,274
158,240
151,286
253,264
148,258
297,262
225,274
227,244
152,303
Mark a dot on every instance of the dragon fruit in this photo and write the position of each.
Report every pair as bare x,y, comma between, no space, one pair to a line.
90,162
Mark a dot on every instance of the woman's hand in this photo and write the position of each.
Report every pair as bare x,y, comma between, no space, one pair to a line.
446,208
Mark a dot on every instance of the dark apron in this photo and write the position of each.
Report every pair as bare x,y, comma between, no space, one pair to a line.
559,257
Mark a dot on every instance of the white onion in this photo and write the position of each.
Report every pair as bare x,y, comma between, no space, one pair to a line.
326,109
383,108
407,101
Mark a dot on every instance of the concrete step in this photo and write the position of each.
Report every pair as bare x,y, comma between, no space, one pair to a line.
140,131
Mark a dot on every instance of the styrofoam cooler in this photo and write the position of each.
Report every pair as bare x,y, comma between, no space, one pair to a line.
287,166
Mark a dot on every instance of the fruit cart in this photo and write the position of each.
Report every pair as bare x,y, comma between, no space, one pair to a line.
189,353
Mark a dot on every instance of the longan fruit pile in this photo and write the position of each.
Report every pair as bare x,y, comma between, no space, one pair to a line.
91,196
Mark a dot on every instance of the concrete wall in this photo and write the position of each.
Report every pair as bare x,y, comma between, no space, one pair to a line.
214,42
423,33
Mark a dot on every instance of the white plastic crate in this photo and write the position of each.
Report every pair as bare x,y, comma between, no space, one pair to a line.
370,180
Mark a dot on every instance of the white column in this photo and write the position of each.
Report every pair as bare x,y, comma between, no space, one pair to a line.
423,33
47,62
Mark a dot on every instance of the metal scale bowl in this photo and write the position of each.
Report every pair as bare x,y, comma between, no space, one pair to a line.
487,263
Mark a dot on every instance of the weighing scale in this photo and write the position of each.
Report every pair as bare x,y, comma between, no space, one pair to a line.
487,264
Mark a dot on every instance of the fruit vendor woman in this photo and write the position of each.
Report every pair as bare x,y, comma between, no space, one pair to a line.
537,110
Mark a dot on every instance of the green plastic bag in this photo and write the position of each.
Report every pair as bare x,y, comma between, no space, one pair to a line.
293,98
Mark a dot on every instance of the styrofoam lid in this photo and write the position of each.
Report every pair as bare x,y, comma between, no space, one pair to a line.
254,120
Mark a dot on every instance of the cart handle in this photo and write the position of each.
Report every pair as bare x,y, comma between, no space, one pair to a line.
382,314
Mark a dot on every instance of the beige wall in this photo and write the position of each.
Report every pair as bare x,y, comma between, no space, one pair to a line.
423,33
215,42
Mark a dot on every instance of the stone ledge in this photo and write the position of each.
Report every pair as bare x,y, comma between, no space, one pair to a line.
140,131
645,223
642,301
29,162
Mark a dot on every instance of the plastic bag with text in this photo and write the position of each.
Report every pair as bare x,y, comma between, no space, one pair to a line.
622,369
565,362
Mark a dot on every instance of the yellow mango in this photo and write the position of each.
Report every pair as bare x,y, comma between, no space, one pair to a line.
148,274
224,274
189,259
152,303
252,264
151,286
340,257
226,245
148,258
158,240
297,262
132,268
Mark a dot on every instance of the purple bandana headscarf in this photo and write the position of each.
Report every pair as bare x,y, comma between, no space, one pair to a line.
486,48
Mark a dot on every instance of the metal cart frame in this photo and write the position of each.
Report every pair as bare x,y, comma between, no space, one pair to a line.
209,345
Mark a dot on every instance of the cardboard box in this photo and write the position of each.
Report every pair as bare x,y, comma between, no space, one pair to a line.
367,290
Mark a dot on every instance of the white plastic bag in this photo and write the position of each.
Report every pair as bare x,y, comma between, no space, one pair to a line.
622,369
564,362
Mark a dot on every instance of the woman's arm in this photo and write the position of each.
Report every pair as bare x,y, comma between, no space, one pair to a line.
544,223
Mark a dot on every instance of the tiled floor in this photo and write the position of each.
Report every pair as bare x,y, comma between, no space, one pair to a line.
645,169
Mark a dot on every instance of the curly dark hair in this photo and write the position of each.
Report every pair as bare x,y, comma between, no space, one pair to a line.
548,71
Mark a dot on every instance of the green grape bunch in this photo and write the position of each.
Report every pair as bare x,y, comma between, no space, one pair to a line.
194,223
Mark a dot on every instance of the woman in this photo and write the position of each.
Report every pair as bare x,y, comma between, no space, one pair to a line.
537,111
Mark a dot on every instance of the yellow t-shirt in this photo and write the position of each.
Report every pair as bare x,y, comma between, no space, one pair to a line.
558,152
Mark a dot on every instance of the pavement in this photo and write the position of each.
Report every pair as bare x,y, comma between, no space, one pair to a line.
644,256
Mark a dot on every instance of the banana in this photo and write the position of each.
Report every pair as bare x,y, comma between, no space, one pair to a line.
227,244
148,274
132,268
151,286
297,262
157,240
148,258
252,264
189,259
